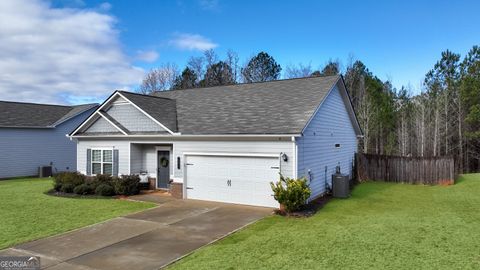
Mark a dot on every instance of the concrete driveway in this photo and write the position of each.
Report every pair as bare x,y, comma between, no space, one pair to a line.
147,240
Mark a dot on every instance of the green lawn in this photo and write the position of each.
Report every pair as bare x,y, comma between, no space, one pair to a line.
26,213
382,226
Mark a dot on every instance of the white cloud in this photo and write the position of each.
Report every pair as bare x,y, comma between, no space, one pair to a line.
60,54
147,56
186,41
105,6
70,3
211,5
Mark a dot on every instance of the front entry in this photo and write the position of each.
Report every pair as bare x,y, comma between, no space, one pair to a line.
163,169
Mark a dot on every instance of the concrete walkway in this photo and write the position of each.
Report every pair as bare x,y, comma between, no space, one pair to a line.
147,240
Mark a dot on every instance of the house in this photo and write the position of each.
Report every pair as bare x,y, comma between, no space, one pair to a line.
224,143
33,135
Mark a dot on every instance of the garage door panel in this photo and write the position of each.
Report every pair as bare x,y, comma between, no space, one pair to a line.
250,179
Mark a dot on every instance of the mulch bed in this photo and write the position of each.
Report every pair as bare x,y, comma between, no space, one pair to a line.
53,192
308,210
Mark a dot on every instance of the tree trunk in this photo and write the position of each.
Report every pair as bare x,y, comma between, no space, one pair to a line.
435,133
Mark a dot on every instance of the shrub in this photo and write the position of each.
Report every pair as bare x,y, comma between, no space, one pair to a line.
99,179
67,188
103,179
126,185
105,190
57,186
83,189
291,193
68,179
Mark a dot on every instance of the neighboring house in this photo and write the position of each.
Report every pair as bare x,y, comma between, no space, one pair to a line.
224,143
33,135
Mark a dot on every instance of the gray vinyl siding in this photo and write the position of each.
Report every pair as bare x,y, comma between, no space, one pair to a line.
101,125
133,119
123,148
24,150
140,154
316,148
136,156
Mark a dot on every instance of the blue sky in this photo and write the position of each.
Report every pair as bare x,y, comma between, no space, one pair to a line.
400,40
397,40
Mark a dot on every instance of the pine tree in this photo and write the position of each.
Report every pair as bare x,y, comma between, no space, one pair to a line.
261,68
188,79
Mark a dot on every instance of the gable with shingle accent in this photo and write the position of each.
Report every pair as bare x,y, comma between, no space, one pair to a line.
102,125
121,117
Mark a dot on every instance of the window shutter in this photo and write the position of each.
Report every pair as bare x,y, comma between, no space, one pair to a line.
89,161
115,163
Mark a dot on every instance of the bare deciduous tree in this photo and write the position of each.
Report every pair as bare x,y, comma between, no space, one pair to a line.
159,79
197,64
210,57
233,61
298,71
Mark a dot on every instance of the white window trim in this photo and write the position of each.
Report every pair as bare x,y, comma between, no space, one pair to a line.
101,160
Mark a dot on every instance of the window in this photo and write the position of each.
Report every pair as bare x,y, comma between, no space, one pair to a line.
102,161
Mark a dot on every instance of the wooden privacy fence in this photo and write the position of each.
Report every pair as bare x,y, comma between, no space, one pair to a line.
410,170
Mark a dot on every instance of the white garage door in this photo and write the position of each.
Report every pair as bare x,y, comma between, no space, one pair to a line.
242,180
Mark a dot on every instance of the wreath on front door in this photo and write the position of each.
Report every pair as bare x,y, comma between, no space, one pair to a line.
164,162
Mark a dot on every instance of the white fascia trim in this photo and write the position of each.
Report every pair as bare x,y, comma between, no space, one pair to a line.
148,115
320,105
93,114
129,158
230,154
193,136
113,124
353,117
295,156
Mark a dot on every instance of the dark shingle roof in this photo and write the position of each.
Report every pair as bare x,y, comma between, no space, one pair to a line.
276,107
162,109
32,115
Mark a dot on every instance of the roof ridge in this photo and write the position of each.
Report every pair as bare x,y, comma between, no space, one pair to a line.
86,104
144,95
246,83
43,104
40,104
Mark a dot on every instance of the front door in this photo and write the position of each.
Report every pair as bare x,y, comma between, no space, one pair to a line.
163,169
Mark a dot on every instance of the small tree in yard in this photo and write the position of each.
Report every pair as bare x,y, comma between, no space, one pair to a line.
291,193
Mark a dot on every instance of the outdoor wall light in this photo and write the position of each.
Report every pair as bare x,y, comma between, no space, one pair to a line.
178,163
285,157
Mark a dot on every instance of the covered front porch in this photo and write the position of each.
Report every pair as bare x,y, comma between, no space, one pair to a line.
155,160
